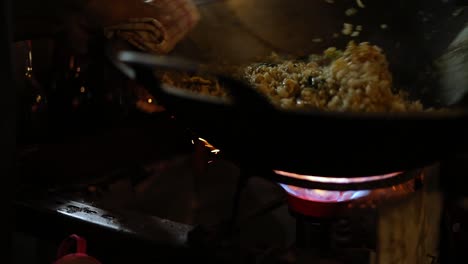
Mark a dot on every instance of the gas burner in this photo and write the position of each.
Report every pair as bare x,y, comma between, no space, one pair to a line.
331,203
343,183
358,218
325,203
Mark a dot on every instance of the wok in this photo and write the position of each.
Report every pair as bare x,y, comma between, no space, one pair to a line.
250,130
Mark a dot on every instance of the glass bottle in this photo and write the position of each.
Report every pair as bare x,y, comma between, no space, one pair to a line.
71,98
33,103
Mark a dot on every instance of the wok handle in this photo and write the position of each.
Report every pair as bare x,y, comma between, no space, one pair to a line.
141,66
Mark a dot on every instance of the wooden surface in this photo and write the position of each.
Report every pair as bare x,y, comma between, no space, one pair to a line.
408,231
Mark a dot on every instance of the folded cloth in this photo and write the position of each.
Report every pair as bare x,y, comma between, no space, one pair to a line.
161,33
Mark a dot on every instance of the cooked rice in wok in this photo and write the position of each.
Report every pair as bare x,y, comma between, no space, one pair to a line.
356,79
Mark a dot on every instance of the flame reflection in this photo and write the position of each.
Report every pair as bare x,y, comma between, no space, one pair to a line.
336,179
328,196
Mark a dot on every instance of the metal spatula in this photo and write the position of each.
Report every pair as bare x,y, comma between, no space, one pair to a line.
453,67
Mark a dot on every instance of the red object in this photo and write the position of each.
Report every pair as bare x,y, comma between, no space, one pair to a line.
315,209
79,256
320,203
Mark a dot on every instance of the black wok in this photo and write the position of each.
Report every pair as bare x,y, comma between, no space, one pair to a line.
249,130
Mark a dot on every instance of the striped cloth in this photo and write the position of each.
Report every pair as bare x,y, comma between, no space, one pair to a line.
159,34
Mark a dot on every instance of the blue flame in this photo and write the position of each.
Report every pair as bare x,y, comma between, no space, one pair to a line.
316,195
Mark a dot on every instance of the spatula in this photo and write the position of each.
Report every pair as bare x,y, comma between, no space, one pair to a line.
453,68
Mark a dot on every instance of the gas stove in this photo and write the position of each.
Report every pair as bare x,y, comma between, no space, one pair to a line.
194,204
190,209
366,225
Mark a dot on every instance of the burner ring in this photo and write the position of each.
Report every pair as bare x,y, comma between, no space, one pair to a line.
365,185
